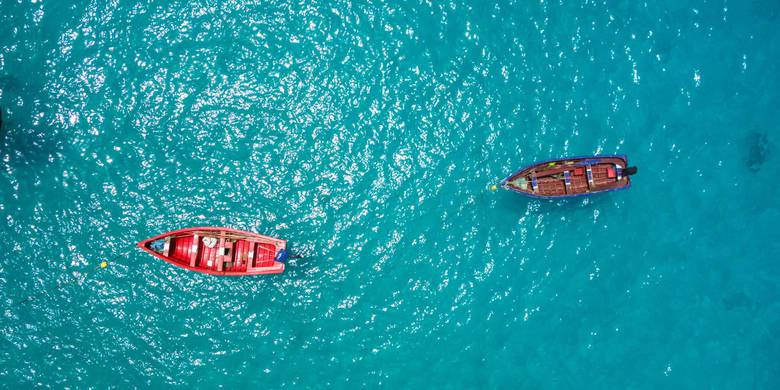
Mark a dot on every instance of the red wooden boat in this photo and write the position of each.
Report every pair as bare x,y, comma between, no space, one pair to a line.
574,176
219,251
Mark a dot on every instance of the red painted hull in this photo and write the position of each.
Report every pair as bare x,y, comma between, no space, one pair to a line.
217,251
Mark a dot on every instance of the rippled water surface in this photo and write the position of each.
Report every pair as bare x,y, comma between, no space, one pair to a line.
368,134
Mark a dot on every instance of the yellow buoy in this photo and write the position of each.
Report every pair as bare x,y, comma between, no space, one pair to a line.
493,187
103,264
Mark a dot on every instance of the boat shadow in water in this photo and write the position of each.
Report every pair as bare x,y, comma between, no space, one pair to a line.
518,204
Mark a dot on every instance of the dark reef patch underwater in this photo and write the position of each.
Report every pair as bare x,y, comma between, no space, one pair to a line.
758,150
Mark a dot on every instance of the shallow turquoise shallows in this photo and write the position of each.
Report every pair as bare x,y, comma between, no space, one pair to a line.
369,136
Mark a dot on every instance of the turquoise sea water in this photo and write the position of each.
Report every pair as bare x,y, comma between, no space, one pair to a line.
368,134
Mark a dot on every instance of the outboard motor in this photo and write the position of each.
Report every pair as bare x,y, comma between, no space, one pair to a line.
628,171
282,256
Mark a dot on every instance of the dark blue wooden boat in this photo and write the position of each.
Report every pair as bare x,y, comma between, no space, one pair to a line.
574,176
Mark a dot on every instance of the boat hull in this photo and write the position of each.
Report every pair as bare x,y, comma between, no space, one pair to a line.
570,177
218,251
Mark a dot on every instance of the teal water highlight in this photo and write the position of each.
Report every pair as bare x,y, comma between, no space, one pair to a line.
368,135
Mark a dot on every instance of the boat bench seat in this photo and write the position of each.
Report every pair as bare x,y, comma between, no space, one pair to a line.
167,247
194,252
